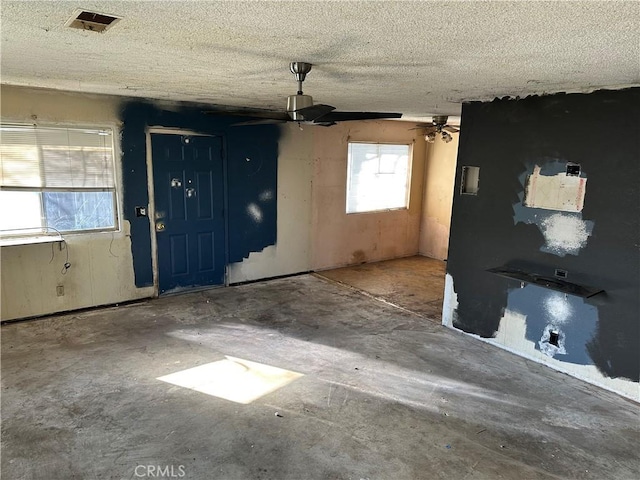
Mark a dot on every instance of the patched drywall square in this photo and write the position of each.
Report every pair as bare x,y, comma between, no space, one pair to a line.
562,192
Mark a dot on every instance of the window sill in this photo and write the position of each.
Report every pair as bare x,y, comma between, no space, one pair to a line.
382,210
15,241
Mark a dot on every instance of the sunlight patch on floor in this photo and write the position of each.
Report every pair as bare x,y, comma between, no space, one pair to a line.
233,379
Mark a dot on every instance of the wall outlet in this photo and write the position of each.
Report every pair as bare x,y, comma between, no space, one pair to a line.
60,290
559,273
141,211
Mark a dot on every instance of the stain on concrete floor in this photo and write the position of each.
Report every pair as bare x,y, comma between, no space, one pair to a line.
385,395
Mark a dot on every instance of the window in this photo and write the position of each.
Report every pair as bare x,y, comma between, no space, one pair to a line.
56,180
378,177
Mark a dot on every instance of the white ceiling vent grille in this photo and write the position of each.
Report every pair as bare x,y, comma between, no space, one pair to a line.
92,21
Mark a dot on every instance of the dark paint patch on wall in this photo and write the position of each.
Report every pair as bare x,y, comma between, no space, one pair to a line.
252,173
251,159
598,131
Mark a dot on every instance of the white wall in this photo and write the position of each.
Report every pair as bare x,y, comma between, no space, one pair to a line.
101,264
339,239
440,171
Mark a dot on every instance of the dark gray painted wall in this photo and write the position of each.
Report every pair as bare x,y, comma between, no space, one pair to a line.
506,138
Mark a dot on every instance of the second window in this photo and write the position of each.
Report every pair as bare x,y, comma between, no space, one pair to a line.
378,177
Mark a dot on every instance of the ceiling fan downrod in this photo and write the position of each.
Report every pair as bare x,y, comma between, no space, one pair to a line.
300,70
299,101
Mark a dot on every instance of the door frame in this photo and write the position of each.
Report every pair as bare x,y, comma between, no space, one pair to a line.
151,208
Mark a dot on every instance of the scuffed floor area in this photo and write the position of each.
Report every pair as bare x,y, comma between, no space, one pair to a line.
335,385
415,283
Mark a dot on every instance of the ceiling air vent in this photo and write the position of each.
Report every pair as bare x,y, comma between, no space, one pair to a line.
95,22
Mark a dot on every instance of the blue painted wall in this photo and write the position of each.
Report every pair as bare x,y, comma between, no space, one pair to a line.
506,138
251,165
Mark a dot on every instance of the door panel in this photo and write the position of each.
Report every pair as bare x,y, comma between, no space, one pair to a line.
204,197
179,255
189,223
206,250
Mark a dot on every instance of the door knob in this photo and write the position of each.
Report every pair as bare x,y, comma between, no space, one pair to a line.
159,227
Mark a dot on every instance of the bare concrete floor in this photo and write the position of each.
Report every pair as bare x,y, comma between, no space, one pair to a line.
384,394
415,283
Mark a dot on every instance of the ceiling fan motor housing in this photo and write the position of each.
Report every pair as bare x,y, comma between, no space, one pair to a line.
440,119
300,70
296,102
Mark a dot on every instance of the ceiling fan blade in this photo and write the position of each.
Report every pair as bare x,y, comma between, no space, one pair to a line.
349,116
450,129
314,112
262,121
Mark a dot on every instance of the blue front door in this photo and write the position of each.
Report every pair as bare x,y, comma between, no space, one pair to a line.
189,210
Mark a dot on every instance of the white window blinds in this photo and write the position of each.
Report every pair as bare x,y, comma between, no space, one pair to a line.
68,158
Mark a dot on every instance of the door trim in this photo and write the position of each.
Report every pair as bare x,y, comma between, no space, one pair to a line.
151,208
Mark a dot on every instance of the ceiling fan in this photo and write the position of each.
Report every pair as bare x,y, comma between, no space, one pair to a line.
439,127
301,109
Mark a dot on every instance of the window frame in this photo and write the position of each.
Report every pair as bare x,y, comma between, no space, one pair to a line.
46,234
409,179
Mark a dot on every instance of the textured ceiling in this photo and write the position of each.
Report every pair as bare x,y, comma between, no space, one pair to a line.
418,58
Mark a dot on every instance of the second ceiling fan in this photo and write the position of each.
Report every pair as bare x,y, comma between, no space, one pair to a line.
439,127
300,107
